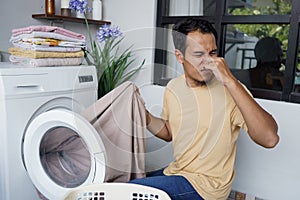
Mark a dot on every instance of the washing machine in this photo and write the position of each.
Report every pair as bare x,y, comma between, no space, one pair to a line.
47,147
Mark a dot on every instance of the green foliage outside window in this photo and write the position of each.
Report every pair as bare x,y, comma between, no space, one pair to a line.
279,7
263,30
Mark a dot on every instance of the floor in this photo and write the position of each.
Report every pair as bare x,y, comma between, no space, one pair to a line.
241,196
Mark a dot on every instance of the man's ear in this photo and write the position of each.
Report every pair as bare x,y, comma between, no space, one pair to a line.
179,56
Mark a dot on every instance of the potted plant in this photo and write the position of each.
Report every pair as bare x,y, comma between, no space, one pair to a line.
104,53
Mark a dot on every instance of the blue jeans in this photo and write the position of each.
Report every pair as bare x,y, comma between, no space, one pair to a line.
177,187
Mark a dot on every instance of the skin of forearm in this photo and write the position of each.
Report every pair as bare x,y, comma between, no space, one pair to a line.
158,127
262,127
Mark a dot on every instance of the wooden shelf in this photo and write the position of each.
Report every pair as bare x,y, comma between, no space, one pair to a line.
68,18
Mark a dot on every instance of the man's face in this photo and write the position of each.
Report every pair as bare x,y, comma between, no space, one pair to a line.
200,51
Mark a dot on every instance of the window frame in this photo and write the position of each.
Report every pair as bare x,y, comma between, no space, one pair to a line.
220,20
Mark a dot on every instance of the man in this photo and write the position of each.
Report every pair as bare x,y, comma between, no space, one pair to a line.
203,112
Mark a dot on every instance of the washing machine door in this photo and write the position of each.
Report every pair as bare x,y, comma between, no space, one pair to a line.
62,151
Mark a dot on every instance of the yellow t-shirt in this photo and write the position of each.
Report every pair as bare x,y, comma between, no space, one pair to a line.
205,123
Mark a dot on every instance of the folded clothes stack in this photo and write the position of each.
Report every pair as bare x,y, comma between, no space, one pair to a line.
41,46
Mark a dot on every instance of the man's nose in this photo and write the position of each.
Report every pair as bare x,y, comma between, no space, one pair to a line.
207,59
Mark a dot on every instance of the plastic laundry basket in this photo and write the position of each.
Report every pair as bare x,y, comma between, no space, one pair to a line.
117,191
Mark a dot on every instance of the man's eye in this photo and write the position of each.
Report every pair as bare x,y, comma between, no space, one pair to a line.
213,53
198,55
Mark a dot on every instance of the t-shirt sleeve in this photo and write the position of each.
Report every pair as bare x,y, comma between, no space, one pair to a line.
237,117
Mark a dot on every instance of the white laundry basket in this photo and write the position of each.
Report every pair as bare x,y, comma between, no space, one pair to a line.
117,191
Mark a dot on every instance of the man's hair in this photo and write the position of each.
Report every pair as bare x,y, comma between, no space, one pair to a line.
187,25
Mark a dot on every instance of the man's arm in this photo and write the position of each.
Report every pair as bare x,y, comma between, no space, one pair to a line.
158,127
262,128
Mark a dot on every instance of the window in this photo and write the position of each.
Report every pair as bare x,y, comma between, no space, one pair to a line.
295,96
240,24
257,58
191,7
259,7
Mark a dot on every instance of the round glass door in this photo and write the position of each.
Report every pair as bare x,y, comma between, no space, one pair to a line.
62,151
65,157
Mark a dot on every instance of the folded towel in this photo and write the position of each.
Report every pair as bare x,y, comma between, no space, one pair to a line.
47,42
52,42
26,46
45,62
39,34
41,41
42,28
43,54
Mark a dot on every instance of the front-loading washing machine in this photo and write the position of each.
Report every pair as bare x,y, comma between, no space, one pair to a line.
46,145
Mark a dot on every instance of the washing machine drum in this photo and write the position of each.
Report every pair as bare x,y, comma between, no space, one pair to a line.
62,151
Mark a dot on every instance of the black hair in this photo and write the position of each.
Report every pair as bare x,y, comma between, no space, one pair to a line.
187,25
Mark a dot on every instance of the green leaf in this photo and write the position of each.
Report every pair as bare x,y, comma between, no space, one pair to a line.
111,64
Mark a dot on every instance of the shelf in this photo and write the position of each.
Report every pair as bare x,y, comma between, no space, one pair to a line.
68,18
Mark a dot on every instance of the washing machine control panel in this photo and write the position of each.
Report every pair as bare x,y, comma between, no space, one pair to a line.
84,79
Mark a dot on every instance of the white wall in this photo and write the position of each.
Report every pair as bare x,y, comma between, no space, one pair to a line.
136,18
271,173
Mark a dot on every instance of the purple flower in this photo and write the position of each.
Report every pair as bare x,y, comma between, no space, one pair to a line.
108,31
78,5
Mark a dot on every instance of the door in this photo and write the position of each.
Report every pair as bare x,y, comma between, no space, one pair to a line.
62,151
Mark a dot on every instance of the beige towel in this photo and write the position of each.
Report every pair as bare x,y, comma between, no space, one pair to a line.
43,54
44,62
119,118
